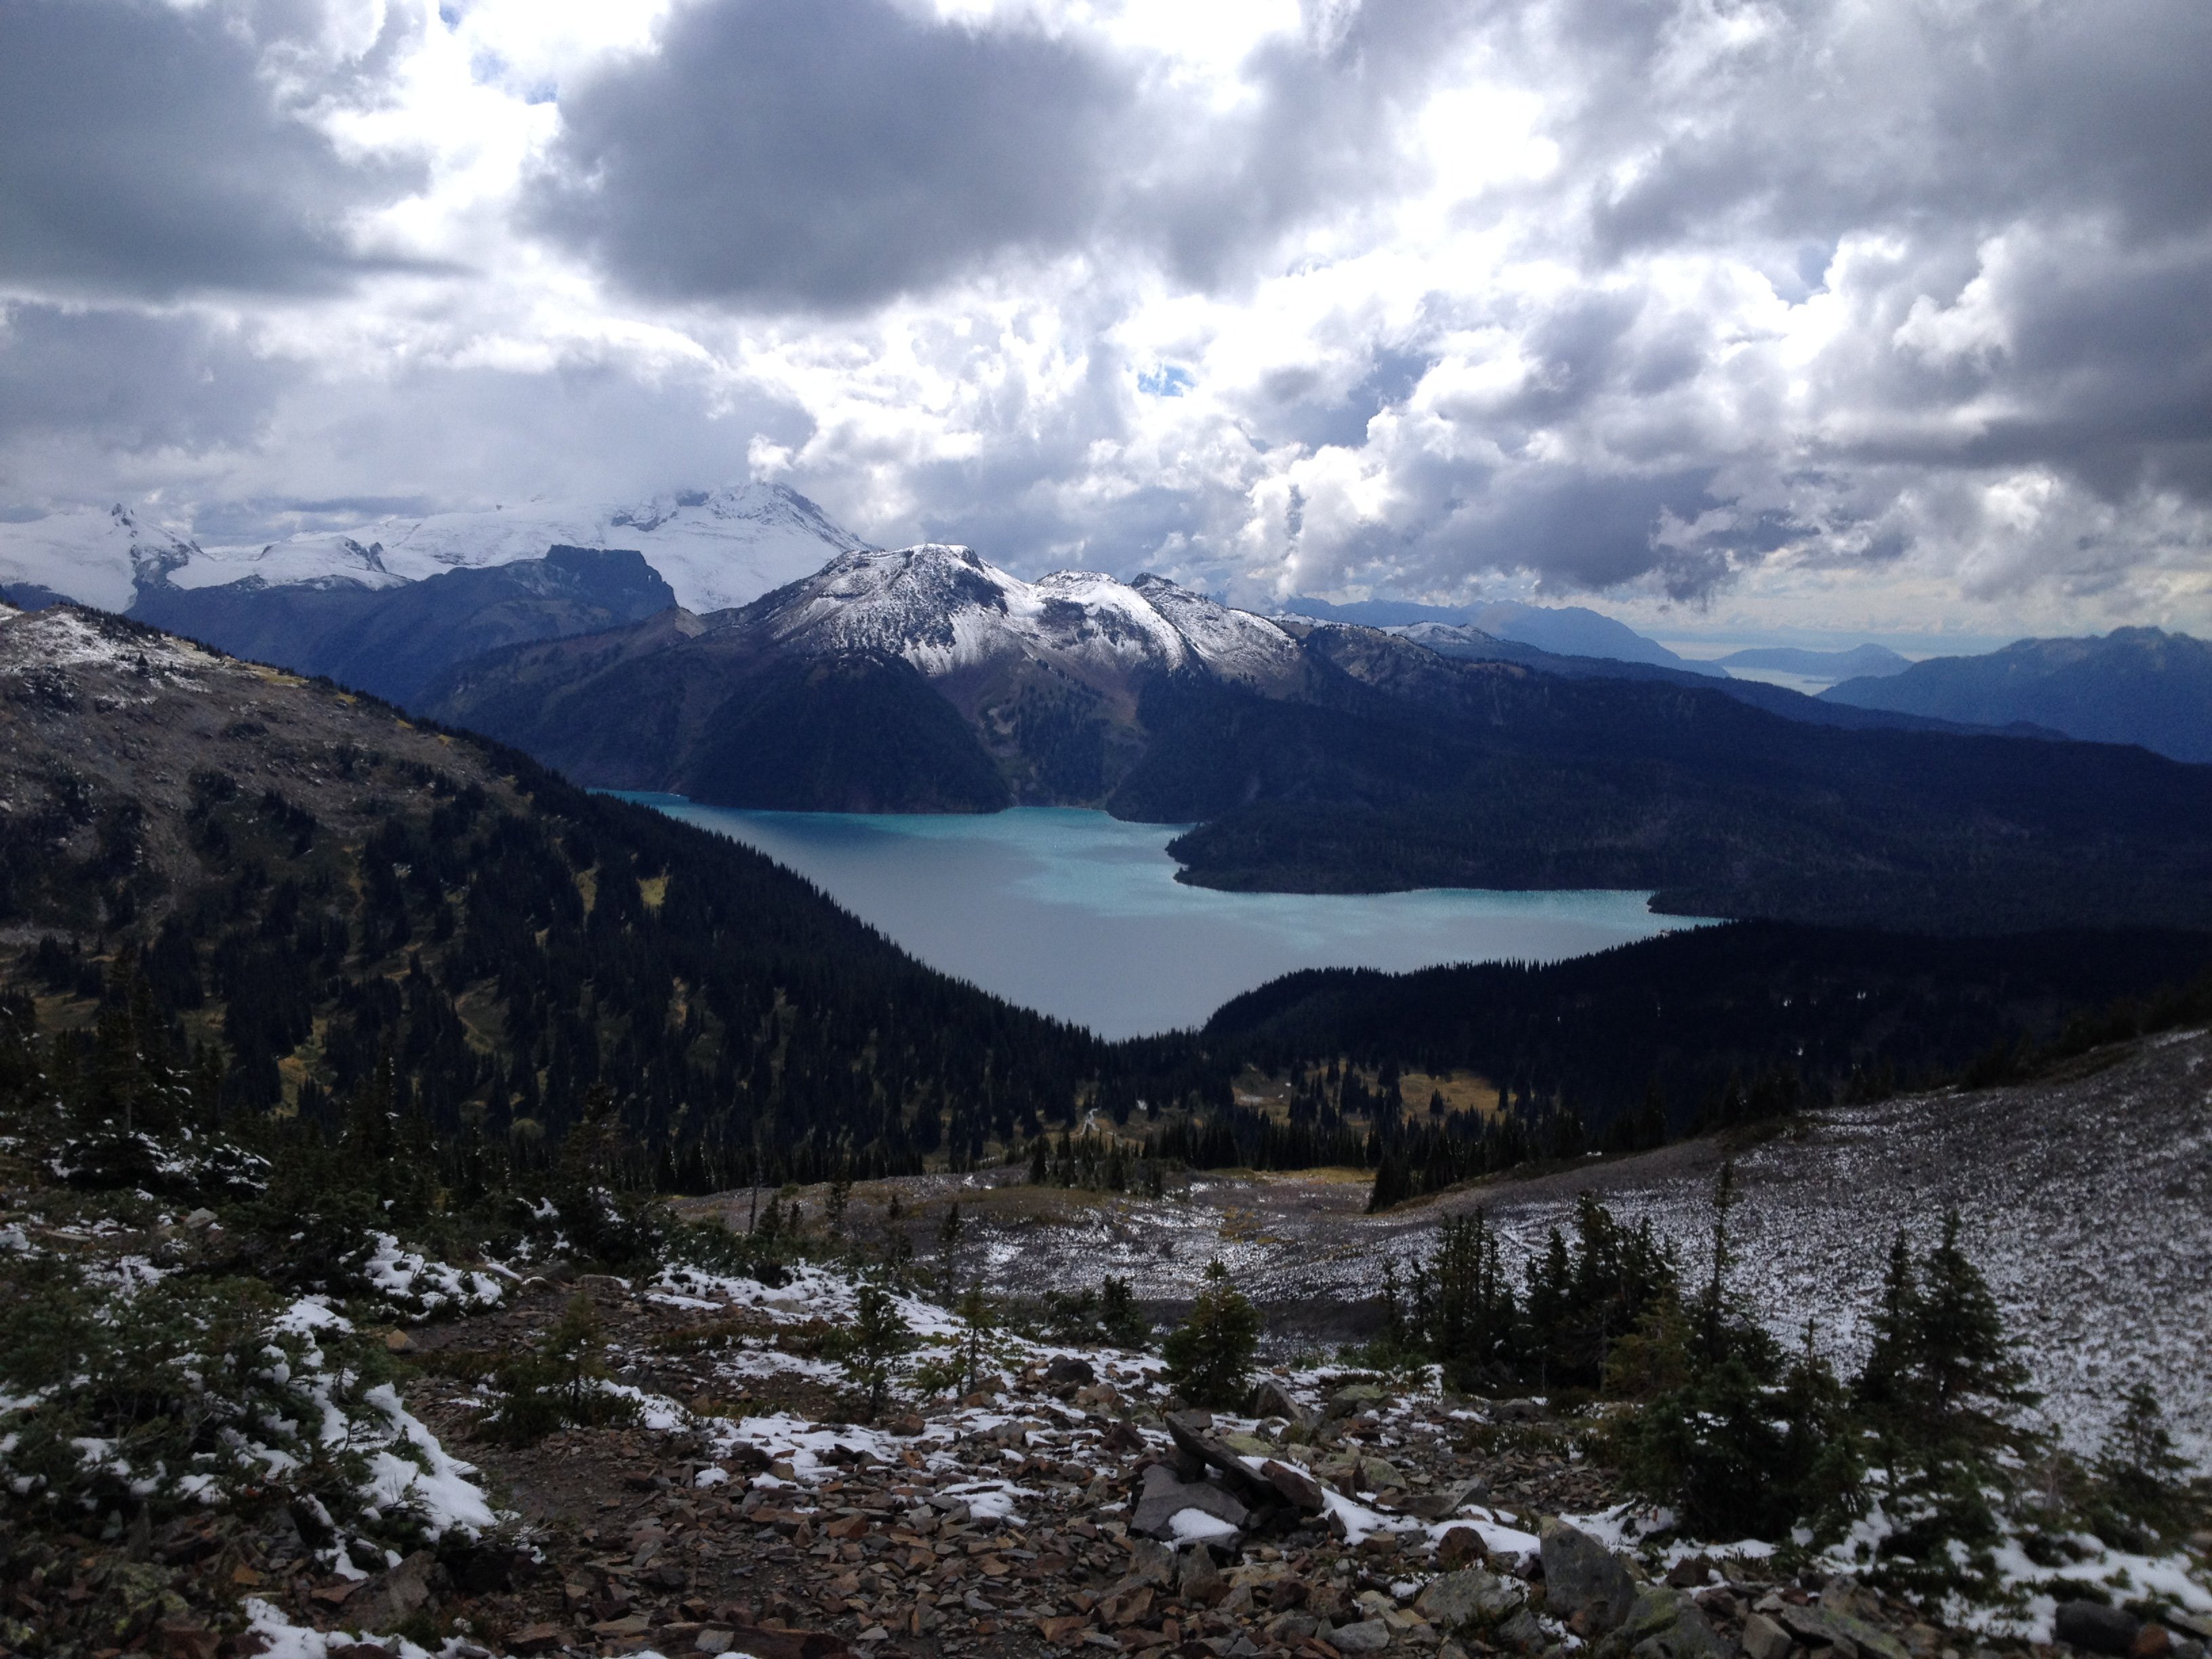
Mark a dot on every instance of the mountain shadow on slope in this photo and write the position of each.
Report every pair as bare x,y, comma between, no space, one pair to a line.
391,641
858,733
1499,778
2140,686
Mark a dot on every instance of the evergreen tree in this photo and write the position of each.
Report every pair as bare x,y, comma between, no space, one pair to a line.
1123,1321
2143,1474
1971,1373
1210,1354
871,1346
1885,1384
1712,1306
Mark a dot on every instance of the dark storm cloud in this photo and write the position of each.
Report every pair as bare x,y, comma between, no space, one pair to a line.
131,382
826,152
1891,116
1576,530
830,154
1316,138
143,153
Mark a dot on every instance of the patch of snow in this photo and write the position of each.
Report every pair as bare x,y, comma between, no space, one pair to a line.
424,1288
431,1481
1197,1527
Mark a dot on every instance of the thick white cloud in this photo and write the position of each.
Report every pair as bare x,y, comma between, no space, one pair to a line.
1875,313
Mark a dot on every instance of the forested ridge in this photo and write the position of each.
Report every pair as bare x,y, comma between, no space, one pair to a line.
303,896
1392,772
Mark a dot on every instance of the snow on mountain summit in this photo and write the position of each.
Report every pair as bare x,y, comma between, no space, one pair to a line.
946,610
94,556
717,548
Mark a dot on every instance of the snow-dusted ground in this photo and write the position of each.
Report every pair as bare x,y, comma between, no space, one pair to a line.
2087,1203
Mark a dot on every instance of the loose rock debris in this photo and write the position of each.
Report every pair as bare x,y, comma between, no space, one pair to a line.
1066,1506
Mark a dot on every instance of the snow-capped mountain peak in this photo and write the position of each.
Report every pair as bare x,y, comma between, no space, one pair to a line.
98,556
718,549
1236,644
946,609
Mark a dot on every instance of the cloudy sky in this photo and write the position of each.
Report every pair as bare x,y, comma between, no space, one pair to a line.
1871,316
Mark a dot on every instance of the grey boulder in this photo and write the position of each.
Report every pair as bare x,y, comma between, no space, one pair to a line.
1688,1635
1469,1597
2098,1628
1764,1639
389,1600
1368,1635
1295,1487
1583,1578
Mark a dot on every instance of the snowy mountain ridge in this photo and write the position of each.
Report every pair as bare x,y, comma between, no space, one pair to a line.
100,558
717,548
946,610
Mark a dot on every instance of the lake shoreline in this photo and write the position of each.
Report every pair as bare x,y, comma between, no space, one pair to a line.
1081,916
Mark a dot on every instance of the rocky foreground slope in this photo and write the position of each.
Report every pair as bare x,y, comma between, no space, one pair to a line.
723,1486
1063,1504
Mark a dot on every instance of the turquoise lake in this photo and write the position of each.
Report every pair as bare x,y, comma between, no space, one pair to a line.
1079,915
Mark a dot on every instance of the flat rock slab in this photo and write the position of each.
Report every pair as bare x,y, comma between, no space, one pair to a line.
1838,1630
1165,1497
1193,1434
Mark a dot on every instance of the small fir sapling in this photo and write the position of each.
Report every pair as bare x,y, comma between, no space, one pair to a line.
1123,1321
870,1348
976,1321
1210,1354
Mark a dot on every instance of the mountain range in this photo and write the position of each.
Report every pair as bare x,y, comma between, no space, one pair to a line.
2140,686
1309,754
393,640
1566,630
93,557
714,548
1329,757
313,885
